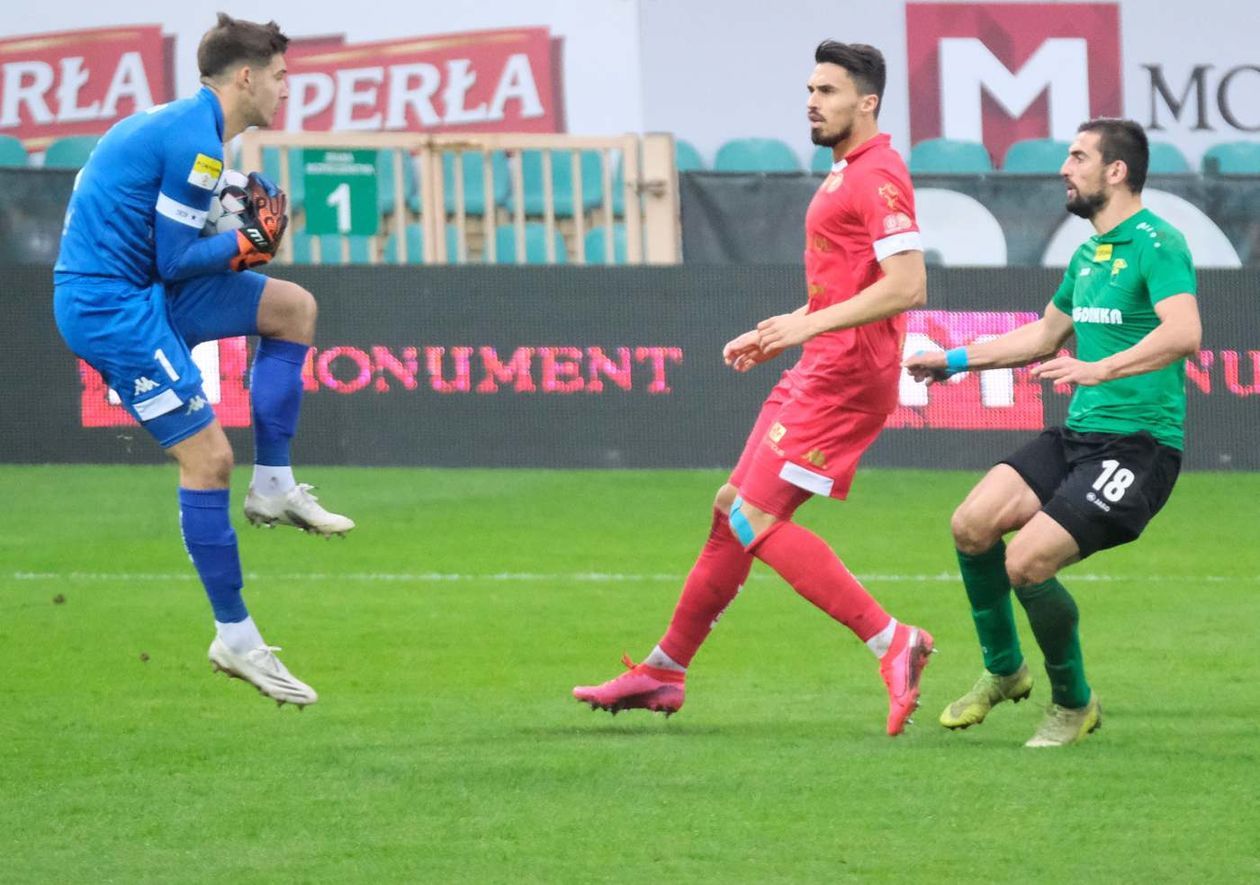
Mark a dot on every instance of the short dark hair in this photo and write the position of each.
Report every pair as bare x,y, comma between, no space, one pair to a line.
864,63
1122,140
232,42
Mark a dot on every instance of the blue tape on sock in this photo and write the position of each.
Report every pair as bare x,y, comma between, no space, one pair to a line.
956,360
743,528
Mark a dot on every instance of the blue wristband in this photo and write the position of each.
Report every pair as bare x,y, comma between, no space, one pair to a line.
956,360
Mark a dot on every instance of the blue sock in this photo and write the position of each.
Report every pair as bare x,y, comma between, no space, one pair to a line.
211,545
275,391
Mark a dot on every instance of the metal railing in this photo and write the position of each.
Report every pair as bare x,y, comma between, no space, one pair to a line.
642,168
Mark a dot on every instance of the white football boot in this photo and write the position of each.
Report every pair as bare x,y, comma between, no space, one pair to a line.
263,670
296,507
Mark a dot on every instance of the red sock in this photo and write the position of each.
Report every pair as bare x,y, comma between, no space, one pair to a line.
806,562
720,570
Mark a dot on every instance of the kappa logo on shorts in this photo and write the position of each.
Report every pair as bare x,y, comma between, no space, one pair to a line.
196,404
777,432
144,385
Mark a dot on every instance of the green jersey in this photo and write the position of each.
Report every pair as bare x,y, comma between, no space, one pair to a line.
1110,290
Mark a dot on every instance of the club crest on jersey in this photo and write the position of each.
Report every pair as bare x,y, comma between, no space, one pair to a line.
889,194
817,458
777,432
1118,265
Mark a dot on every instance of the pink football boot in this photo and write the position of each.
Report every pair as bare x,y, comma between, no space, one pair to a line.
901,668
640,688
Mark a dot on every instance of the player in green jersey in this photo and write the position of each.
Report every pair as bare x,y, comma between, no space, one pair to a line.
1129,297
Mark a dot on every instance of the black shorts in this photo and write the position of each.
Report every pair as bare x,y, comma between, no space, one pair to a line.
1102,487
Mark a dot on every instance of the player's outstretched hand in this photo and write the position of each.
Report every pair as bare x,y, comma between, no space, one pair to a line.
1068,370
266,219
744,352
927,365
783,331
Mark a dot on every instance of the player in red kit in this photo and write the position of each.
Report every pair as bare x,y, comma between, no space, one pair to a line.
864,268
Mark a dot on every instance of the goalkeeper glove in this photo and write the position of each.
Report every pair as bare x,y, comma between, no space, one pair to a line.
266,219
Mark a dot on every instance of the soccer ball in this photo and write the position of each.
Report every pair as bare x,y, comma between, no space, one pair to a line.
227,205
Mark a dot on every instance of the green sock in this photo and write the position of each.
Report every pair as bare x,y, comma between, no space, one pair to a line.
989,592
1053,614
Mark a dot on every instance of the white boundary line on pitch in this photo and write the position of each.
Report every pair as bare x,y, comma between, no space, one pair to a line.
578,577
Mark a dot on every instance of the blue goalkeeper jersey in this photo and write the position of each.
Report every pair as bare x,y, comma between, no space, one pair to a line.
139,204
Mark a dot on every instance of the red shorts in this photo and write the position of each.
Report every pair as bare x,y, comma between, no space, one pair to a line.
802,447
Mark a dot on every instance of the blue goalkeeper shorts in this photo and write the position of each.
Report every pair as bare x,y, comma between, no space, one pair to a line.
141,340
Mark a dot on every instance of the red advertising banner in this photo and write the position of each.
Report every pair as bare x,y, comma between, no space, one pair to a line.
80,82
998,73
222,365
491,81
998,399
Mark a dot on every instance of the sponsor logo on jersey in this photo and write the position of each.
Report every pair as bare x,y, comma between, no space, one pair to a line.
144,385
1103,252
898,221
1105,316
205,172
196,404
817,290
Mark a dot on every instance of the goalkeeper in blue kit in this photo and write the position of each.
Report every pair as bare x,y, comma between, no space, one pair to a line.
137,286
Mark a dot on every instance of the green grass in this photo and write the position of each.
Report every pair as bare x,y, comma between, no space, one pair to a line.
445,633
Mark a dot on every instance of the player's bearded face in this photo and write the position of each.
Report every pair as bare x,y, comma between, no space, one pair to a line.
1085,176
832,106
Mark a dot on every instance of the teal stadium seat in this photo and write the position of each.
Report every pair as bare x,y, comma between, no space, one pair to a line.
1232,158
415,245
386,182
595,248
756,155
1166,160
297,183
330,249
822,161
949,156
535,244
561,182
686,157
12,152
70,152
474,181
1035,156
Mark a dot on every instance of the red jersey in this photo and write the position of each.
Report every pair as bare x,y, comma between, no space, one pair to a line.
862,213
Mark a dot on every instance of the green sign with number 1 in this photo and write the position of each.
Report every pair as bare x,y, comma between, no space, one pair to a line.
340,192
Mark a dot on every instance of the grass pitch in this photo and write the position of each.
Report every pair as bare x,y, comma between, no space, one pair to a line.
444,635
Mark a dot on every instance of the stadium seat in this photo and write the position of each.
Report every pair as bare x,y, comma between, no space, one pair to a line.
822,161
1166,159
686,157
756,155
297,183
386,182
535,244
596,245
475,183
415,245
949,156
70,152
1035,156
330,249
561,182
12,152
1232,158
